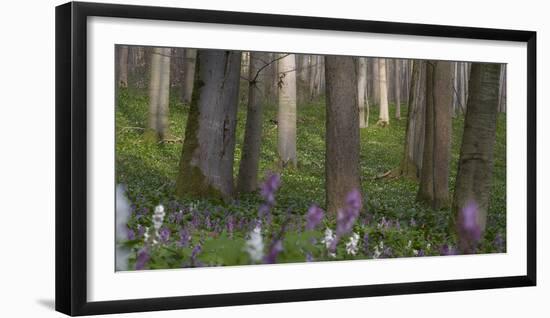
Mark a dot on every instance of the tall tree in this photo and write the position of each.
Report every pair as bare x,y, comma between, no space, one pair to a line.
475,166
502,90
164,94
362,92
384,117
375,70
206,164
397,88
286,117
188,75
154,93
123,66
303,69
247,180
434,178
411,162
342,131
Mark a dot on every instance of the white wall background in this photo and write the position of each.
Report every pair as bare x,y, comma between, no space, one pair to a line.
27,158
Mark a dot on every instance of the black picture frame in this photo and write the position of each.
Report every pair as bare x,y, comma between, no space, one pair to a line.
71,157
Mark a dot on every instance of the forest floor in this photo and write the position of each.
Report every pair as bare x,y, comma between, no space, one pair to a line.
391,214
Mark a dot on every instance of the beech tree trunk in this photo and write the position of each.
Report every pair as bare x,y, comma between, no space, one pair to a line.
475,166
434,179
342,131
286,117
154,93
384,117
397,88
376,81
303,70
502,90
188,75
123,66
411,163
362,91
206,164
247,180
164,94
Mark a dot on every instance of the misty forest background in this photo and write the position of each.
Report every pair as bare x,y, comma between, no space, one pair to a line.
238,147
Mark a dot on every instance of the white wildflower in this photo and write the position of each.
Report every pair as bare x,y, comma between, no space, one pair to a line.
329,237
415,252
409,244
158,219
351,246
428,246
255,245
376,253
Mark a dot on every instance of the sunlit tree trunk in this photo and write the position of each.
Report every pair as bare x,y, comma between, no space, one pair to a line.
206,164
362,91
164,94
502,90
303,69
475,166
376,81
188,75
154,93
286,116
342,131
247,180
384,117
434,178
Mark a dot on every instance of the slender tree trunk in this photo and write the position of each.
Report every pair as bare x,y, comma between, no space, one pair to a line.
342,131
206,164
272,81
154,92
286,117
475,166
397,79
188,75
362,91
303,68
247,180
411,163
123,66
434,179
502,90
164,94
376,81
384,117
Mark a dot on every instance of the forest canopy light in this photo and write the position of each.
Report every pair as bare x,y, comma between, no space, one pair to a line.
209,158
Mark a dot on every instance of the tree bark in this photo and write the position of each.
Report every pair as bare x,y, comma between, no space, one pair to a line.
434,179
475,166
502,90
206,164
376,81
286,117
384,116
123,66
362,91
411,163
302,69
397,88
154,92
247,180
164,94
342,131
188,75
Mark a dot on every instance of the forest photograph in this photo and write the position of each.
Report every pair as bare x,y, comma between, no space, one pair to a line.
229,158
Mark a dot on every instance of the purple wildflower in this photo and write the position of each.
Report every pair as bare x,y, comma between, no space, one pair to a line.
179,217
184,237
314,215
446,250
164,234
469,229
142,259
230,225
366,243
269,187
346,217
196,251
309,257
276,248
130,234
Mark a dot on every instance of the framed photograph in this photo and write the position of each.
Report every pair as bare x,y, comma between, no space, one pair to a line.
208,158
